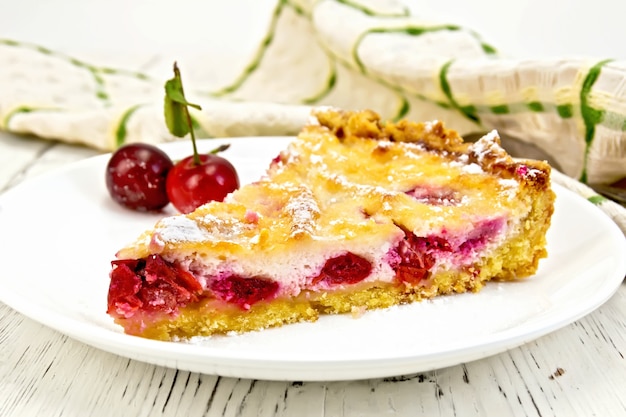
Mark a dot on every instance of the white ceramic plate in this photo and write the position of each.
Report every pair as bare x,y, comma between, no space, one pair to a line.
60,231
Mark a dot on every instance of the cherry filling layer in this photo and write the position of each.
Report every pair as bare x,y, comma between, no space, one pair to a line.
414,257
154,285
149,284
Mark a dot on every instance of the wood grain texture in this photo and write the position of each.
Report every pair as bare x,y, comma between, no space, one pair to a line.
579,370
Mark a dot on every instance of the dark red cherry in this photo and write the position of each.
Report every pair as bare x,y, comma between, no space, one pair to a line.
347,268
135,177
244,291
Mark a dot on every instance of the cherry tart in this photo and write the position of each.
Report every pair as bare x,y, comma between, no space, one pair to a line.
354,214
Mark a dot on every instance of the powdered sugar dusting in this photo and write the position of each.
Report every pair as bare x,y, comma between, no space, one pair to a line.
303,209
363,189
487,145
180,229
510,187
527,172
226,229
428,126
473,169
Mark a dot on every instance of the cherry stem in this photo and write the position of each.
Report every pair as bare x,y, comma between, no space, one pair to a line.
220,148
196,157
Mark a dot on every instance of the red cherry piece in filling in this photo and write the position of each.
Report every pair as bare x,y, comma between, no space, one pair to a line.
416,256
244,292
347,268
158,269
150,284
125,284
190,185
135,177
276,160
411,274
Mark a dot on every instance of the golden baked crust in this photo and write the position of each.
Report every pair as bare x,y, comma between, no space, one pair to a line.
355,213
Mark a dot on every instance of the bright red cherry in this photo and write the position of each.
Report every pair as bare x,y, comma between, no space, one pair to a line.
191,184
135,177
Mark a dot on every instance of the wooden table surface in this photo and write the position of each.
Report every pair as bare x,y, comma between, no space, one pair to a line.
579,370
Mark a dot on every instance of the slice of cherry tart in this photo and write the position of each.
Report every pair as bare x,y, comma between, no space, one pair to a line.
354,214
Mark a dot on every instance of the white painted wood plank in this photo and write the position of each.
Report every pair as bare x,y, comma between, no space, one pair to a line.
16,155
47,374
23,157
